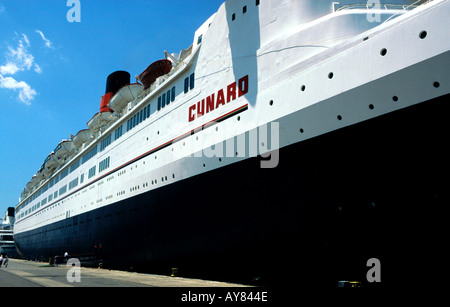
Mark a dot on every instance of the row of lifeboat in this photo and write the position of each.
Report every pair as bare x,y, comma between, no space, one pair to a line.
119,93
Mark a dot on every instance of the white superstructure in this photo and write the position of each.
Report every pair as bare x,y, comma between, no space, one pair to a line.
297,68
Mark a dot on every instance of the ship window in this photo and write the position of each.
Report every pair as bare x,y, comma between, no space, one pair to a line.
173,94
63,174
189,83
233,17
168,97
199,39
144,113
192,79
186,85
91,172
118,133
89,155
163,102
244,9
257,2
159,103
104,164
105,143
73,183
63,190
75,166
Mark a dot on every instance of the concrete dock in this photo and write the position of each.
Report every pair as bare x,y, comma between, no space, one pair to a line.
22,273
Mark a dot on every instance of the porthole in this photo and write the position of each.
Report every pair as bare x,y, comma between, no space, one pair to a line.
271,103
395,98
238,118
371,106
436,84
303,88
301,130
339,117
423,34
383,52
330,75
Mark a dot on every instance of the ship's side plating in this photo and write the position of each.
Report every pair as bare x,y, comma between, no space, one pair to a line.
320,82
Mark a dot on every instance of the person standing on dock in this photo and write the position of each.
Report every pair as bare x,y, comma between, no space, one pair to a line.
5,262
1,260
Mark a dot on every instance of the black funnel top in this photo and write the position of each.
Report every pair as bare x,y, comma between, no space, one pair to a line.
10,211
116,81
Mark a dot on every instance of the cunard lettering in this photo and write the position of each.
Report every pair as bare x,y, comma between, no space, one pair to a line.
215,101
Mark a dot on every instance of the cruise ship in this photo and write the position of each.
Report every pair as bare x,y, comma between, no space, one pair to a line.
7,246
293,141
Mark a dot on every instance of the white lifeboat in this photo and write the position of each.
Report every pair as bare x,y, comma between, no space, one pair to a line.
125,95
82,137
100,120
34,180
64,149
51,162
40,175
29,186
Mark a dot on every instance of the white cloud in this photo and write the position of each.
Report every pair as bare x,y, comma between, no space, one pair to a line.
2,8
20,56
26,93
19,59
9,69
37,68
47,42
26,39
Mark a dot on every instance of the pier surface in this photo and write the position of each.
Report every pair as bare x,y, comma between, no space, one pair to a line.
22,273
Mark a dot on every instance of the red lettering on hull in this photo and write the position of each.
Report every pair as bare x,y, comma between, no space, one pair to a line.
233,91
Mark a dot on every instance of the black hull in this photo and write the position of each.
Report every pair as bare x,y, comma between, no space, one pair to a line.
371,190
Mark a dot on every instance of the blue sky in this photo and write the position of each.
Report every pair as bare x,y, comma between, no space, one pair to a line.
53,72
